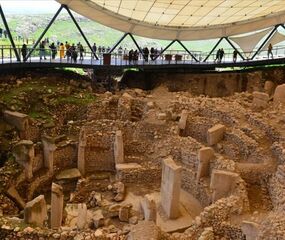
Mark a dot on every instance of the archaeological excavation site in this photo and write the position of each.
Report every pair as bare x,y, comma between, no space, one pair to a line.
161,156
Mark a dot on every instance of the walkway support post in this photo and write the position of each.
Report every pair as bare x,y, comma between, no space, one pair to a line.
213,49
233,46
187,50
9,34
265,41
43,33
80,30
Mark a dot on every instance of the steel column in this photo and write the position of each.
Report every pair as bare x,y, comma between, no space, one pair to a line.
140,50
168,46
44,32
80,30
9,33
116,45
233,46
187,51
213,49
265,41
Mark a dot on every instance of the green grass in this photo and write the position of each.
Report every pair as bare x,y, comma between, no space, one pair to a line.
78,99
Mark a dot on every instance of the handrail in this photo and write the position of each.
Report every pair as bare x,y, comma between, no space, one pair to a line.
119,59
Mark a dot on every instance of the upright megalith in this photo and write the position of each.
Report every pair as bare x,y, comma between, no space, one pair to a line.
170,188
49,147
35,211
182,122
148,206
119,147
82,216
215,134
19,120
222,183
250,230
260,99
81,152
24,154
205,155
279,94
56,206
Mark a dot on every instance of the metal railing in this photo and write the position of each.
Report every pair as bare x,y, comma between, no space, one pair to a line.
7,56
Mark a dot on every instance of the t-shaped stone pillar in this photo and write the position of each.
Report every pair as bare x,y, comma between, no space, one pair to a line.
170,188
119,147
250,230
182,122
24,154
222,184
56,206
81,152
18,120
205,154
49,148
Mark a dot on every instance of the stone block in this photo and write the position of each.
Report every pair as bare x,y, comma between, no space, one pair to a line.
144,230
215,134
124,213
127,166
49,147
279,94
82,216
250,230
98,219
24,154
170,188
222,183
35,211
16,119
148,206
56,206
260,99
205,154
119,148
69,174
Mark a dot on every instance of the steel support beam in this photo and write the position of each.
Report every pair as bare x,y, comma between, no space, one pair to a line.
138,47
80,30
168,46
44,32
187,50
233,46
9,33
117,44
213,49
265,41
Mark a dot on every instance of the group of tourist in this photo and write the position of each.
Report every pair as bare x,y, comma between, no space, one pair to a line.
71,52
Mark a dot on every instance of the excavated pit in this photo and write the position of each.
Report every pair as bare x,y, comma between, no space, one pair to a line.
199,167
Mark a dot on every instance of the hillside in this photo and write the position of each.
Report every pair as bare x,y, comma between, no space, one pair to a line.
31,26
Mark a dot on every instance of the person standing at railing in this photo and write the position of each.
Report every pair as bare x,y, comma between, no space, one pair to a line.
221,55
67,51
217,56
42,50
61,51
24,52
94,49
235,53
269,51
81,51
53,50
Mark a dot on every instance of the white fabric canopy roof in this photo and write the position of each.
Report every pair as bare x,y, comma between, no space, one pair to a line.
248,43
275,39
182,19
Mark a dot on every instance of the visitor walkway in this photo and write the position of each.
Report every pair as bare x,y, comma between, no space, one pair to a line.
171,60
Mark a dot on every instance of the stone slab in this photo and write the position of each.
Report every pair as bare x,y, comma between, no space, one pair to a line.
215,134
127,166
69,174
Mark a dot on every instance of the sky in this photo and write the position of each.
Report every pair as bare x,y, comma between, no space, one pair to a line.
29,6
